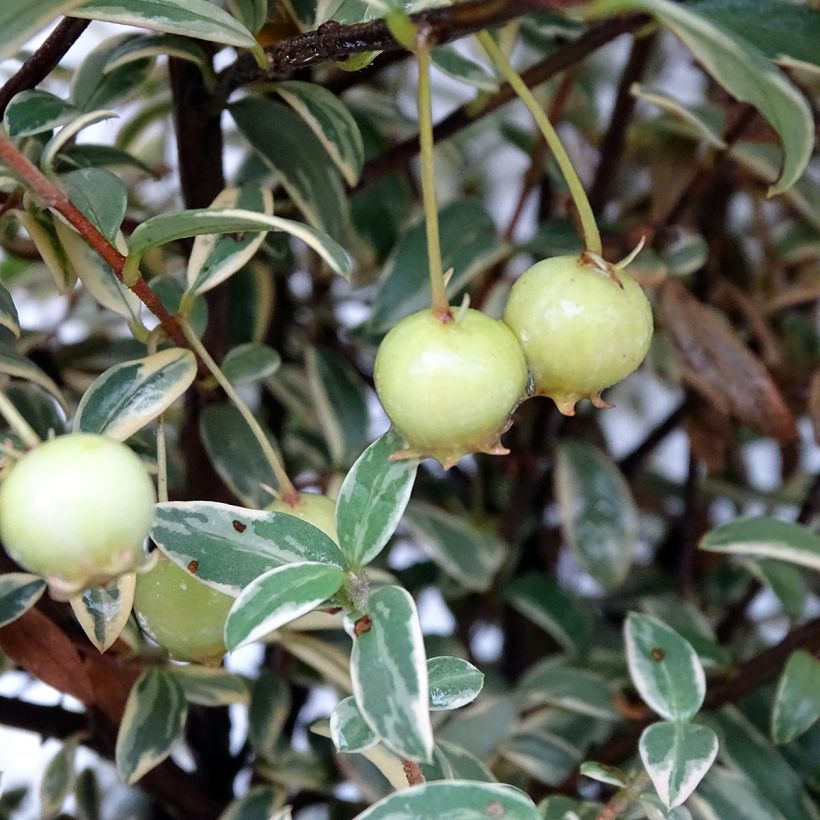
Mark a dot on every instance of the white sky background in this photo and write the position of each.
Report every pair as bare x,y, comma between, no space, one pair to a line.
642,402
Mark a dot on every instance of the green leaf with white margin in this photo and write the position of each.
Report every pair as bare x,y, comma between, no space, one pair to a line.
96,274
169,227
260,802
40,227
744,71
463,764
232,545
548,605
278,597
20,21
199,19
598,515
339,397
8,312
250,362
787,581
236,455
348,729
796,705
251,13
102,612
148,46
389,672
18,366
215,257
19,591
603,774
767,538
289,147
467,554
454,64
151,724
67,133
470,244
727,794
750,752
542,754
462,799
268,712
664,667
328,117
58,778
209,685
676,757
453,682
654,808
100,195
554,683
35,112
130,395
372,499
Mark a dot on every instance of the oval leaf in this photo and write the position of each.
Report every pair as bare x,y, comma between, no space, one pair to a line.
142,46
250,363
35,112
598,515
259,802
210,686
152,723
103,612
100,195
278,597
576,690
58,779
215,257
40,227
676,757
268,712
8,312
463,799
372,499
232,546
664,667
348,729
453,682
389,673
766,537
130,395
797,700
327,116
19,591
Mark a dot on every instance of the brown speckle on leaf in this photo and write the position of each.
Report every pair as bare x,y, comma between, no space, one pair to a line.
657,654
364,624
193,566
494,809
239,526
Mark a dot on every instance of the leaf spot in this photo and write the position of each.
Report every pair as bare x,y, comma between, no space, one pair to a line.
239,526
364,624
193,566
657,654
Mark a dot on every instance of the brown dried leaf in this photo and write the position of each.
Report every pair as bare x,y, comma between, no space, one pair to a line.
41,648
720,367
710,435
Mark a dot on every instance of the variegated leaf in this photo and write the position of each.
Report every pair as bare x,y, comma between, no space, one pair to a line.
19,591
102,612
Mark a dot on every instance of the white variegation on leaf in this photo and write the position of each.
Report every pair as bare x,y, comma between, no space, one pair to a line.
142,46
19,591
349,730
210,685
372,499
796,705
102,612
151,724
665,669
127,397
36,111
453,682
18,366
67,133
603,774
58,778
389,673
676,756
259,802
552,682
278,597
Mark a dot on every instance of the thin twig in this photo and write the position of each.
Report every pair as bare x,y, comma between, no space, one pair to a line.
37,67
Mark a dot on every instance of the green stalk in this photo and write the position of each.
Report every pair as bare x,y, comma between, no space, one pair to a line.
441,305
16,421
288,491
589,228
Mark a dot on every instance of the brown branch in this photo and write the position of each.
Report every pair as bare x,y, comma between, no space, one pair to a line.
57,199
43,61
412,772
398,156
333,41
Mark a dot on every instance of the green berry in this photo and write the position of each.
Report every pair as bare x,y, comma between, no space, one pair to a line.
182,614
316,509
582,326
77,510
450,387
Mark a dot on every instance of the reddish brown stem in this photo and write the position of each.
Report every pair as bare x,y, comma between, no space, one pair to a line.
412,772
57,199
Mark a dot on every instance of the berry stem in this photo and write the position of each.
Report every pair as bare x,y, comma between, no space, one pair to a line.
441,305
288,491
16,421
589,228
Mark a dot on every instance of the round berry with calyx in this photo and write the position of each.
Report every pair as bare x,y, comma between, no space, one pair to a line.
583,325
449,384
181,613
77,510
316,509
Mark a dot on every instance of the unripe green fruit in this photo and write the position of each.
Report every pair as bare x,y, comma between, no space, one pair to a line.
182,614
450,387
76,510
582,328
316,509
